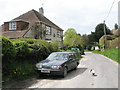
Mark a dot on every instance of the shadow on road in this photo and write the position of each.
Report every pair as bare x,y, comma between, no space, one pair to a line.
25,84
71,74
74,73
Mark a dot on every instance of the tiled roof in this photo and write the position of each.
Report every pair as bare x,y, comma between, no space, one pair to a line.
45,20
14,34
28,16
33,16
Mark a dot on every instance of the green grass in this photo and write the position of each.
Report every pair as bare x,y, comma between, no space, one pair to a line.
110,53
19,71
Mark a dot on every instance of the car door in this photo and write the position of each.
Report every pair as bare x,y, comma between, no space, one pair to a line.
71,62
74,62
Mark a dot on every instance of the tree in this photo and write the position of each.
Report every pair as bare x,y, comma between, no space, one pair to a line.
85,40
72,39
99,31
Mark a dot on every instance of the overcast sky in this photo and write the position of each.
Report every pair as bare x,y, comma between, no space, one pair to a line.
82,15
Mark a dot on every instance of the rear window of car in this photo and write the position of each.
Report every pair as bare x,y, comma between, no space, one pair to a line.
58,56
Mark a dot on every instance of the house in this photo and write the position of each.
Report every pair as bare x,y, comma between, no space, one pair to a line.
32,24
116,31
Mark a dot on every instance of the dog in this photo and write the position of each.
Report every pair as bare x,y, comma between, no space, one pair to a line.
93,72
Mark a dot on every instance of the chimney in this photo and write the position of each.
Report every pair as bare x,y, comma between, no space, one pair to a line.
41,10
116,26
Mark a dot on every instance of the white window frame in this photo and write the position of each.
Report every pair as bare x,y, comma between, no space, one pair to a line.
12,25
48,30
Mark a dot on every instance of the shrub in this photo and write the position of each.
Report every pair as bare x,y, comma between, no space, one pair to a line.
8,50
89,47
8,54
54,46
22,49
23,54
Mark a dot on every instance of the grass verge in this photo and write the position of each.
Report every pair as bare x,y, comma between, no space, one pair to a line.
110,53
19,71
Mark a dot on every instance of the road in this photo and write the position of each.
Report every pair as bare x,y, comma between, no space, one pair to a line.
106,75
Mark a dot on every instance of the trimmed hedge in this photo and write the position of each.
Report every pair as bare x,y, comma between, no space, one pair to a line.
8,55
8,49
33,49
20,55
22,49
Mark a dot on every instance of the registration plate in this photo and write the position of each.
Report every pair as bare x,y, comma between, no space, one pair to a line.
45,71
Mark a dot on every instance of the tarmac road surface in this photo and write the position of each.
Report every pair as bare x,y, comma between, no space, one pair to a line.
106,75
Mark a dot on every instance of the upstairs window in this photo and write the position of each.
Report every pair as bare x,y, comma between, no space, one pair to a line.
12,25
48,30
58,33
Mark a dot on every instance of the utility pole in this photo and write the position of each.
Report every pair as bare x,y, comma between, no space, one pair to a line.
104,35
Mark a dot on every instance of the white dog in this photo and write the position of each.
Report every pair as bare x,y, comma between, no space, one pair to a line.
93,72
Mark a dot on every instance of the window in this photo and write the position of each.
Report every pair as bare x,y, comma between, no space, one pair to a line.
12,25
48,30
54,35
58,34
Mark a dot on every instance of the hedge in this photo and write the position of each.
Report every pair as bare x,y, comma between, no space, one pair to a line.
34,49
20,55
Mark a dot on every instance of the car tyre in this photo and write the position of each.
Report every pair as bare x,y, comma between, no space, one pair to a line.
64,72
75,68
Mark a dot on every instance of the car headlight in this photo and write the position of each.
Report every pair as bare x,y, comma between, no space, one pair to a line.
39,66
56,67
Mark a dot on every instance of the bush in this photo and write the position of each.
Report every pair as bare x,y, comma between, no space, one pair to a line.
89,47
32,49
22,49
8,49
8,55
20,56
54,46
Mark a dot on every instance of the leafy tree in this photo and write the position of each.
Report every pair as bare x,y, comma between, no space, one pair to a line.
93,38
85,40
72,39
99,31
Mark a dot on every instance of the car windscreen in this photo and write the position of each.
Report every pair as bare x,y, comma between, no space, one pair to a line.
58,56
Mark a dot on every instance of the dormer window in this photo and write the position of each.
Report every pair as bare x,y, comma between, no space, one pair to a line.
12,25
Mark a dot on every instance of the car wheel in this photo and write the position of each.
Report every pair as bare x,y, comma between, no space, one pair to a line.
75,68
64,72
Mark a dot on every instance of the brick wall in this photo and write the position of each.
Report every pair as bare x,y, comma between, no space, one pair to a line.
22,25
6,26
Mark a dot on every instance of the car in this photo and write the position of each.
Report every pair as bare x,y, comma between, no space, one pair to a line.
77,49
81,51
58,63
